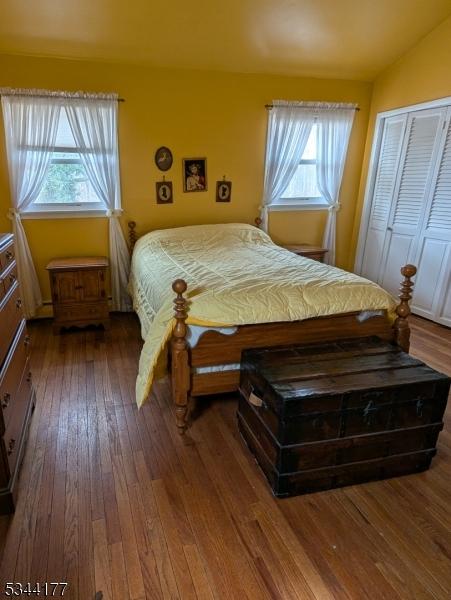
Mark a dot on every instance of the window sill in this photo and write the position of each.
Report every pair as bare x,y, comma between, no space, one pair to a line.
64,214
297,207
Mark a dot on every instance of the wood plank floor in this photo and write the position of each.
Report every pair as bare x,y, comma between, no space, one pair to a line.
115,503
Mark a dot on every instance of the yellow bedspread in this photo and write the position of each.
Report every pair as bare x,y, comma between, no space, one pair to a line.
236,275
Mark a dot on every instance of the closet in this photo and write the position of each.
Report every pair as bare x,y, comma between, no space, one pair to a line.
407,214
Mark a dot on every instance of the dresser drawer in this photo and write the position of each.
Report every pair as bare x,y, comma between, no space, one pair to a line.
10,317
6,256
13,435
9,277
12,372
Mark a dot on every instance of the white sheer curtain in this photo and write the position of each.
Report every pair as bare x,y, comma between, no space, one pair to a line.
333,132
289,127
31,126
94,126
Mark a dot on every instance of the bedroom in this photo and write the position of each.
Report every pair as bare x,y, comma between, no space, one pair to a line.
143,534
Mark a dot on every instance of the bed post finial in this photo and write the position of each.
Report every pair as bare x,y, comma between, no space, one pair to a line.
401,325
131,234
180,363
258,222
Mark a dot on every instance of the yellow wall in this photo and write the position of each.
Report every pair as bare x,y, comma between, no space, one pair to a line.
422,74
220,116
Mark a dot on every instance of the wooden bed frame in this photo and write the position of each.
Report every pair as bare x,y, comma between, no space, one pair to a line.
214,348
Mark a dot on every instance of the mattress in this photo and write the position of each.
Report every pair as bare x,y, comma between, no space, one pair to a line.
236,275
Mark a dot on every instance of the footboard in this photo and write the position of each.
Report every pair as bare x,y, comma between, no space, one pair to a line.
221,354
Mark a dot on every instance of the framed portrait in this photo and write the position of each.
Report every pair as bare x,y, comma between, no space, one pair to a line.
164,192
194,174
223,191
163,158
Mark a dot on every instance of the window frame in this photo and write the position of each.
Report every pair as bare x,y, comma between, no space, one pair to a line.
60,210
300,202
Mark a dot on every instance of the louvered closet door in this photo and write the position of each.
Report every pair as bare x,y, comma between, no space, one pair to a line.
421,144
384,184
432,297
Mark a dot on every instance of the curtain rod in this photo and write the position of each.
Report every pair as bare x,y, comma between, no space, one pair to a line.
55,96
271,106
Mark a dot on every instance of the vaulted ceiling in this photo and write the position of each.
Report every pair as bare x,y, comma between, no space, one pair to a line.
353,39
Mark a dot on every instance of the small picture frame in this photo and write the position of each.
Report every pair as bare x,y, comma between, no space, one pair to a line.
164,192
163,158
223,191
195,174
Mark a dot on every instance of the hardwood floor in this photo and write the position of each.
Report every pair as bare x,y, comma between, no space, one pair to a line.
115,503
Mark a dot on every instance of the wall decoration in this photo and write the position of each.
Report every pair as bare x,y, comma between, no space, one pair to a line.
223,190
164,192
163,158
194,174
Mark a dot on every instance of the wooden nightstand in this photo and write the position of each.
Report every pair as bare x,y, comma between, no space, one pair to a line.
314,252
78,292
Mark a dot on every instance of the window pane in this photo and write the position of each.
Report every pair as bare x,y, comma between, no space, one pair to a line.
64,136
310,149
303,184
66,182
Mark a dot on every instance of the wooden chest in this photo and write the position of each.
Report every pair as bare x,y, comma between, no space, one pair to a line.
79,292
16,389
327,415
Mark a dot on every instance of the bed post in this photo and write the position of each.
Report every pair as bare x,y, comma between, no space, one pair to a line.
401,325
179,362
131,235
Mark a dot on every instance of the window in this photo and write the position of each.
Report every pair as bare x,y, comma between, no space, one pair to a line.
66,185
303,188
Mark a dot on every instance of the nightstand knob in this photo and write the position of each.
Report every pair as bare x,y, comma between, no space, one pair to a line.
9,255
6,400
11,444
18,303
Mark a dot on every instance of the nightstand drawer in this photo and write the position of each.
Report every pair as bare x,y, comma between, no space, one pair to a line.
82,311
308,251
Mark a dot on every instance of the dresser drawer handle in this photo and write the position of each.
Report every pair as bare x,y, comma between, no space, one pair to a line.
27,340
12,443
12,278
29,377
9,255
18,303
78,287
6,400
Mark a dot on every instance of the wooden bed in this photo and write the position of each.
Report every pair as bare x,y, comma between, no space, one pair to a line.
214,349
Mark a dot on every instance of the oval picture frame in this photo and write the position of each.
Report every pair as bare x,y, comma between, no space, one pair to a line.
163,158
